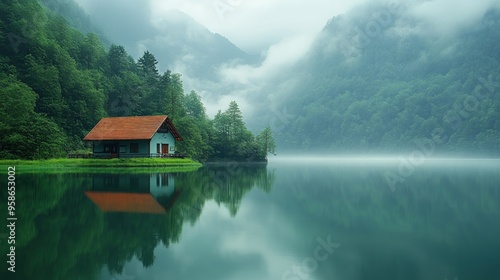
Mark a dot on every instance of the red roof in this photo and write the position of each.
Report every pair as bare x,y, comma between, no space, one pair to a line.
130,128
126,202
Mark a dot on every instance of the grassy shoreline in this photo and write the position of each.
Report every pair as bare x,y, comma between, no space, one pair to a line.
102,165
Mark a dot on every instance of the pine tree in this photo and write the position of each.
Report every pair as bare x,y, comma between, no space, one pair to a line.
265,143
147,66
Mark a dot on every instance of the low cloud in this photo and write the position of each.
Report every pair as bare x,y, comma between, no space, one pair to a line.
450,16
278,57
249,84
255,25
281,31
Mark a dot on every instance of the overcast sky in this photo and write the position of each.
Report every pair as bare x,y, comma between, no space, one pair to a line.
281,31
253,25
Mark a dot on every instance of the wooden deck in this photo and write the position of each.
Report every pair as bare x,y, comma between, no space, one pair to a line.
110,156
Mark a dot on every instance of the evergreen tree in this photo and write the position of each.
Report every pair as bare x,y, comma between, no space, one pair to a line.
232,139
118,60
236,126
60,83
265,143
175,97
91,53
147,66
194,106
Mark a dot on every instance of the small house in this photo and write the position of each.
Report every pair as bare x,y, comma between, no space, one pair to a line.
128,137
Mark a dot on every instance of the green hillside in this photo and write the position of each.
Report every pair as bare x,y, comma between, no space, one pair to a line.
56,83
365,87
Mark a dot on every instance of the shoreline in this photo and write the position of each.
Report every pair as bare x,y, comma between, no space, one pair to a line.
235,162
102,165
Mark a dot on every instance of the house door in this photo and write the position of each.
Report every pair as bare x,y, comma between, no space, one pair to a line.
115,151
164,149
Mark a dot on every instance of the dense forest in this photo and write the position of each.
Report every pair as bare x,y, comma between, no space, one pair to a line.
373,83
57,83
357,90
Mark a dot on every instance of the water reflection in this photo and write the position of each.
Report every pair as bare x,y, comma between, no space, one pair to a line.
441,223
137,193
255,222
73,225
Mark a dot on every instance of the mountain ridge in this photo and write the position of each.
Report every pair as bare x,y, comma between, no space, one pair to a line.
174,40
393,90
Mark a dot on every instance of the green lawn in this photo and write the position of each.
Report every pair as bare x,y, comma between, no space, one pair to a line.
102,165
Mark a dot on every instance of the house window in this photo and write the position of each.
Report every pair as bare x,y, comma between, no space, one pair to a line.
110,148
134,148
158,148
164,180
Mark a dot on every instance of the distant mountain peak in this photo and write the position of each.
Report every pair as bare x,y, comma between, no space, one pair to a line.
180,18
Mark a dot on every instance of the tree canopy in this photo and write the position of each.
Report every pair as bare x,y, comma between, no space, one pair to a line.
400,88
57,83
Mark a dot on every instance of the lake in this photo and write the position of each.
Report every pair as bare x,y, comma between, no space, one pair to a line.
292,219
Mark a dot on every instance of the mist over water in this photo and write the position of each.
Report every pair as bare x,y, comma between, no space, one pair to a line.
419,222
385,120
381,159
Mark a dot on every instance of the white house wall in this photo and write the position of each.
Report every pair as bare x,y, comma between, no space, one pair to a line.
161,184
162,138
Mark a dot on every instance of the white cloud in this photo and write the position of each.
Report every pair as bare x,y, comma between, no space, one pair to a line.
449,16
254,25
281,31
245,82
279,56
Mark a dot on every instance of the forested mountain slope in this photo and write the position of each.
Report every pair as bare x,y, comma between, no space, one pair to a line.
56,83
376,81
76,17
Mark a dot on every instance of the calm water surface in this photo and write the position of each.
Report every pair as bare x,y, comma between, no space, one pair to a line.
293,219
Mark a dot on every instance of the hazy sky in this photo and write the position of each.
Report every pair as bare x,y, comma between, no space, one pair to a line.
281,31
255,25
252,25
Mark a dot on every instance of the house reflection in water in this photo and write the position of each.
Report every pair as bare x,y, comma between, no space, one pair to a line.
134,193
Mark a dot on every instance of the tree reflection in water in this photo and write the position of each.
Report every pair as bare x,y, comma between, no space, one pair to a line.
72,225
